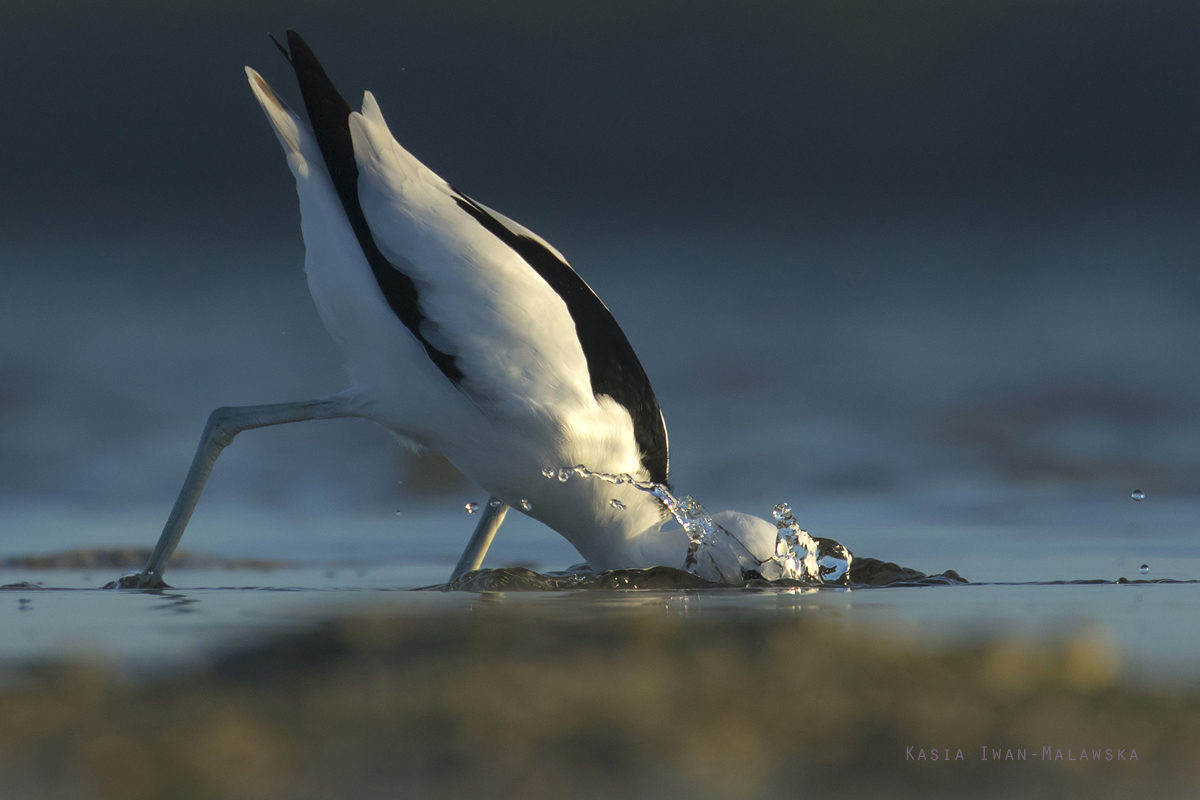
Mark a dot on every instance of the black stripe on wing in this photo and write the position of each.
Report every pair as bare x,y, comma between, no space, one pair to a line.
613,366
329,115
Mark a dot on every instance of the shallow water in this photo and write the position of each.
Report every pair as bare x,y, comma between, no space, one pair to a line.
208,614
995,423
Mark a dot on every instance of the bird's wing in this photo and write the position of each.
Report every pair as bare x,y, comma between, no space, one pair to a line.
497,309
508,331
517,319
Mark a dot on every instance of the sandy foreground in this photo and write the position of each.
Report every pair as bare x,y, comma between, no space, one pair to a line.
522,702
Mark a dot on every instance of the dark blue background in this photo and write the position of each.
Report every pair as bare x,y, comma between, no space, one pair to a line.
924,269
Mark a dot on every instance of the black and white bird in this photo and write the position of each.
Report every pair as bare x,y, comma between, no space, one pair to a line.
464,333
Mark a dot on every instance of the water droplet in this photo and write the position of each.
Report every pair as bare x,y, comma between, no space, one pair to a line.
399,512
1138,494
781,512
547,472
524,505
494,503
564,475
615,503
471,507
1144,568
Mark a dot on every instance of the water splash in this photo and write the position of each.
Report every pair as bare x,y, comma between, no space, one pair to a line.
833,561
471,507
524,505
802,557
795,550
716,554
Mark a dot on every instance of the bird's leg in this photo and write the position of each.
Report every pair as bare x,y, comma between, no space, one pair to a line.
481,540
223,424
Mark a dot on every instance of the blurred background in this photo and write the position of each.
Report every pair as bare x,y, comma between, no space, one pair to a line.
925,270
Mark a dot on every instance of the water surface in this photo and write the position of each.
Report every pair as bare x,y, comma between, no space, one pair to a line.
209,613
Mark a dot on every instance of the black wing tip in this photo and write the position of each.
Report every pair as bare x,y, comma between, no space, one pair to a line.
282,49
298,46
297,51
309,71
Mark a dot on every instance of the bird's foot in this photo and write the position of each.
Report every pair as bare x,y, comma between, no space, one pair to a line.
138,580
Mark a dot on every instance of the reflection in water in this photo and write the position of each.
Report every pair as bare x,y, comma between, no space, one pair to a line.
149,631
865,573
174,603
